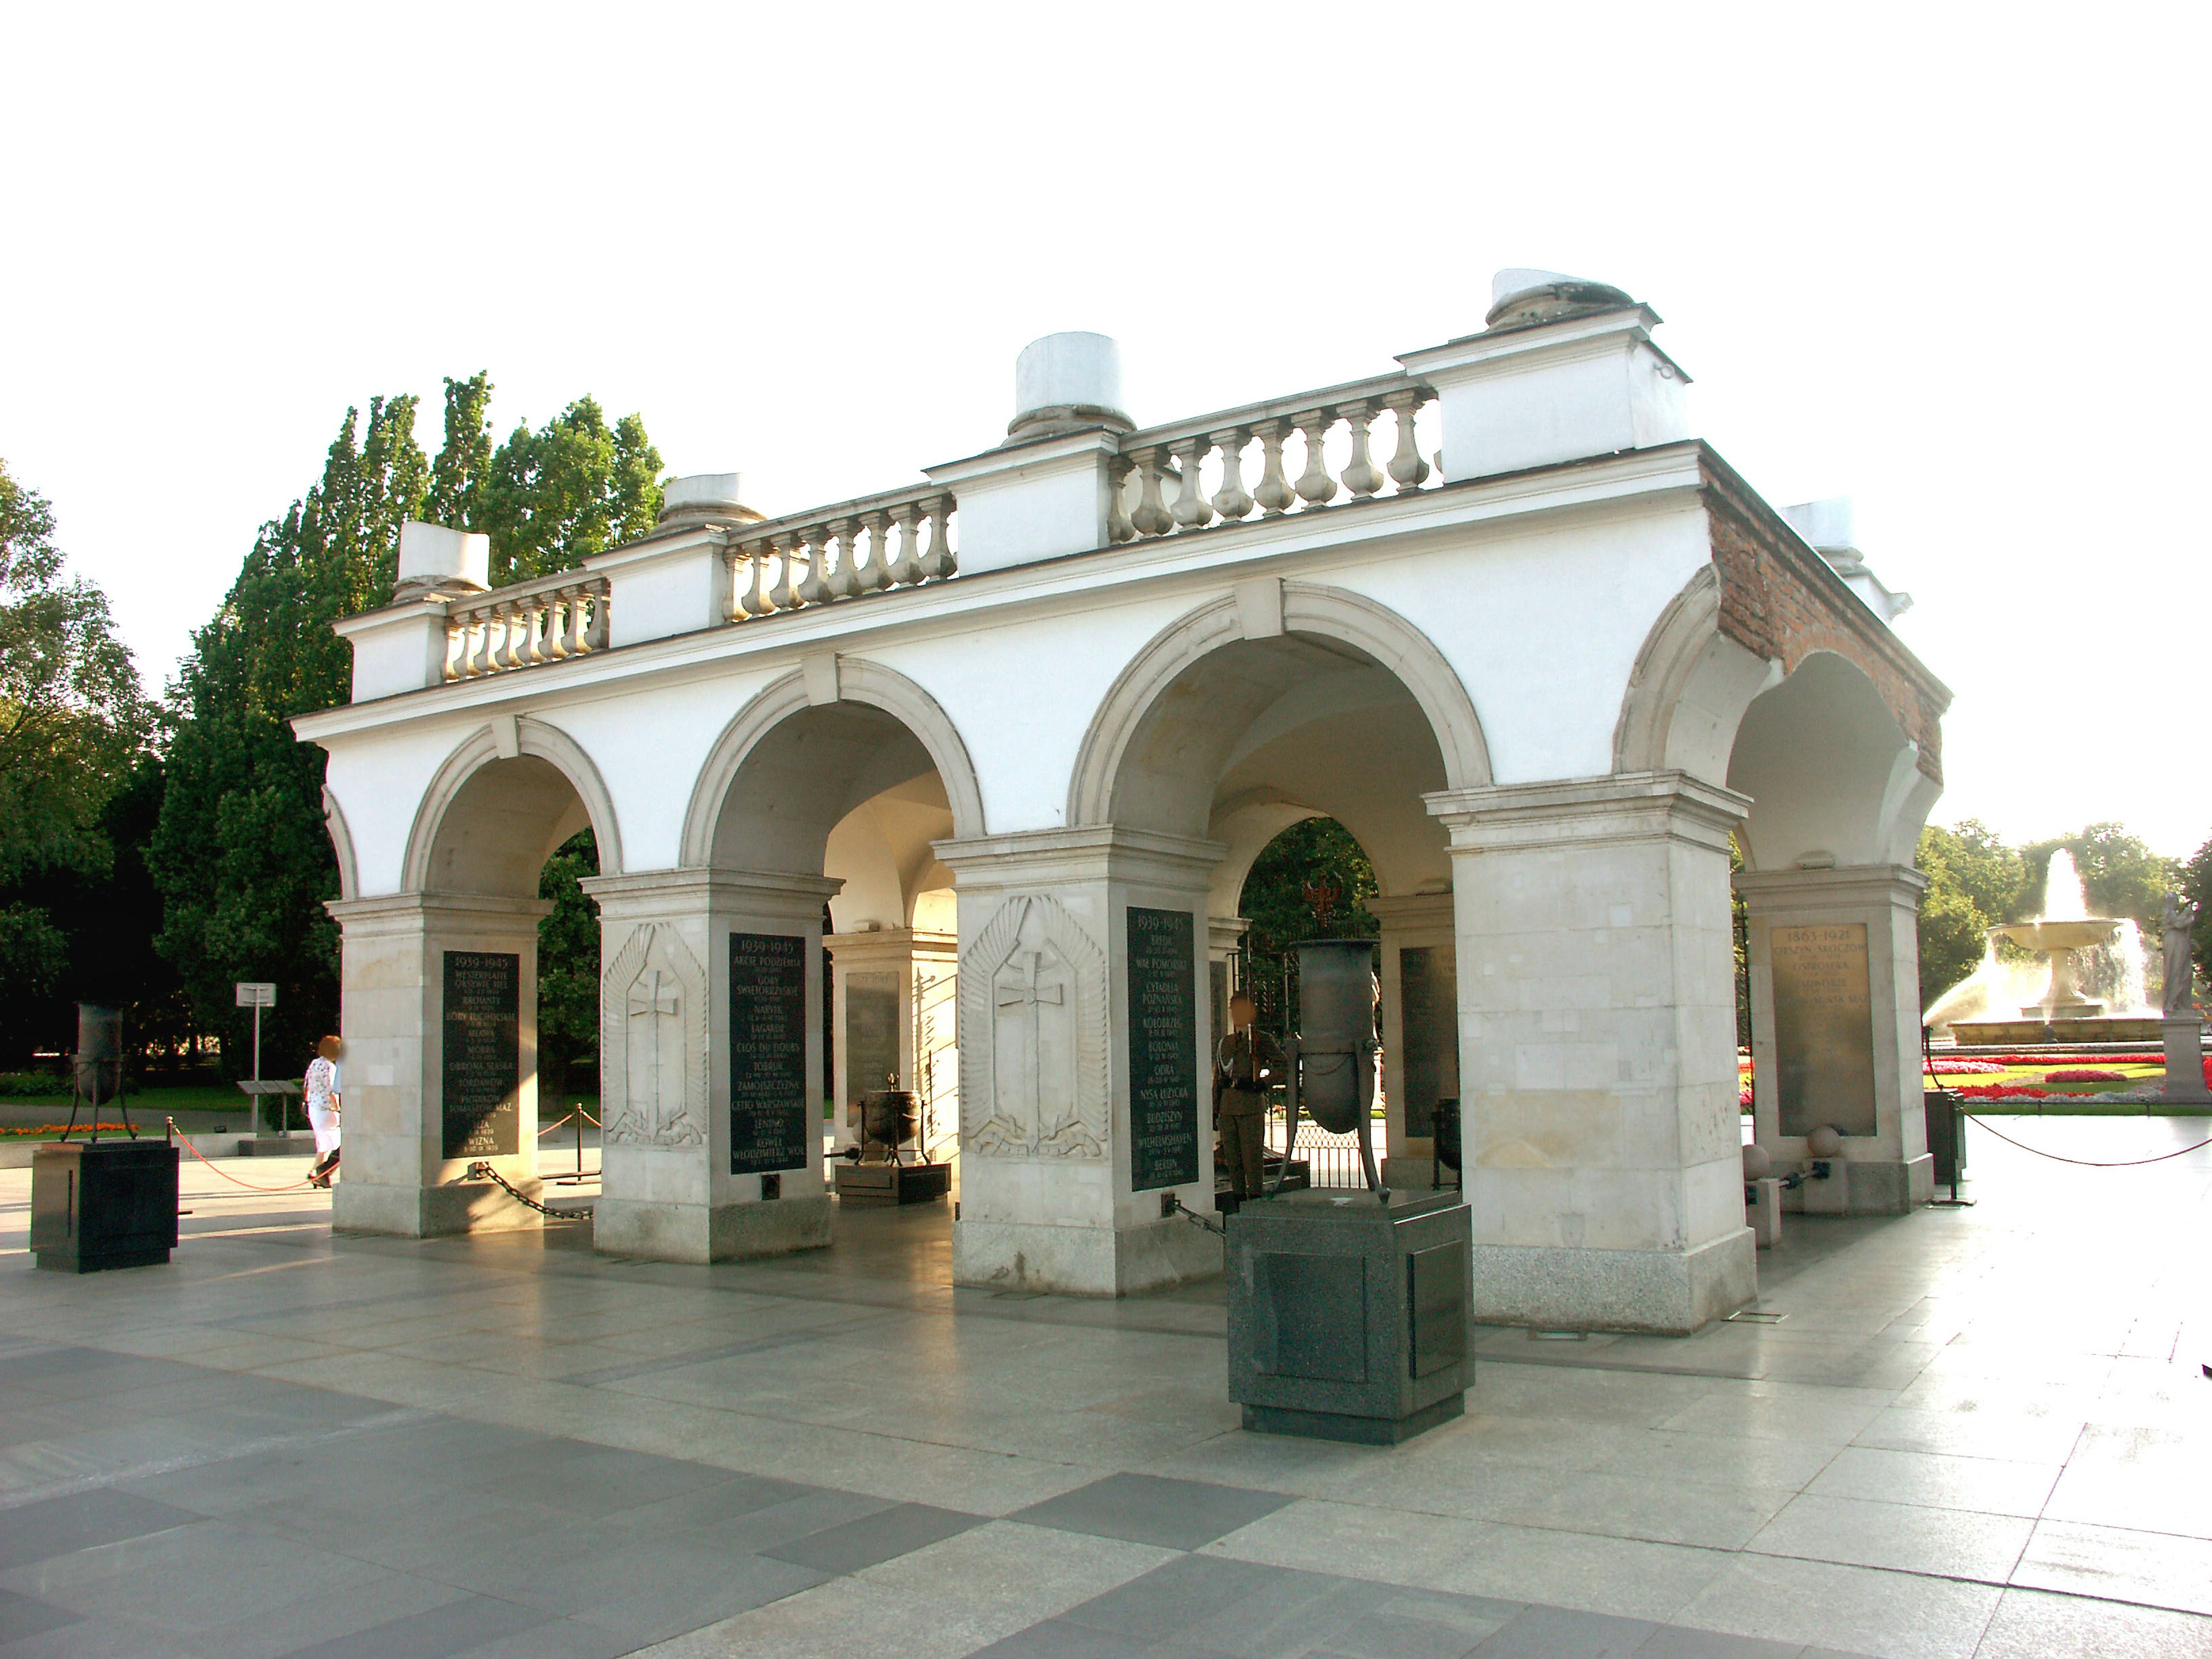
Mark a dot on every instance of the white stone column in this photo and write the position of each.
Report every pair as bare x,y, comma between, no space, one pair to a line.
1225,937
1056,1190
895,962
1598,1092
669,1191
397,1176
1834,959
1421,923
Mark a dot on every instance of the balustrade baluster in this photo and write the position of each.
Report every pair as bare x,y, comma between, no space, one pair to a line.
595,640
758,603
572,641
478,659
784,596
906,569
1407,469
1232,501
1314,486
1152,517
845,576
1191,509
939,561
1361,476
558,606
1119,525
1274,493
879,575
815,590
457,651
539,617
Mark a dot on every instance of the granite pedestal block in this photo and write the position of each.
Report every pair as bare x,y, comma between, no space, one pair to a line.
103,1203
1762,1211
884,1185
1347,1318
2185,1059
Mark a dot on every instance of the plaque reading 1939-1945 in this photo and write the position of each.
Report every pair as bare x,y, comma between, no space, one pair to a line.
480,1068
769,1105
1823,1028
1162,1049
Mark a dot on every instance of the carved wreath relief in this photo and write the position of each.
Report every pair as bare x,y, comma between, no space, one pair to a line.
1033,1053
653,1024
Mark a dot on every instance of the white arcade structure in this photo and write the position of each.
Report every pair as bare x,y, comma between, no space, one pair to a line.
1029,720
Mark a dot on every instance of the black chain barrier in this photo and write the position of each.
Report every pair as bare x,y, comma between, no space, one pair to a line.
481,1172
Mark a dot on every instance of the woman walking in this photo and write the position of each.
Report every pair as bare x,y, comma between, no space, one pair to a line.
322,1091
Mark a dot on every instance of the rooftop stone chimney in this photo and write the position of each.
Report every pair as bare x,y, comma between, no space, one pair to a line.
1065,381
1831,528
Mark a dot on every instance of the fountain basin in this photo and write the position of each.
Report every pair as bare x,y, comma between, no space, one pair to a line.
2023,1033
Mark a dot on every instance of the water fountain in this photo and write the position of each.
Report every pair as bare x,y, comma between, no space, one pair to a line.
2066,1013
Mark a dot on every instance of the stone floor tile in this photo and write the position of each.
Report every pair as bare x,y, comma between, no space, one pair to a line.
51,1527
442,1632
1013,1575
1663,1512
2147,1480
1800,1412
1168,1600
1411,1624
1056,1638
1990,1485
1676,1642
1624,1576
1907,1537
25,1615
1149,1509
1386,1545
2034,1625
1727,1460
1890,1615
2019,1436
1556,1633
874,1538
652,1592
2153,1568
846,1618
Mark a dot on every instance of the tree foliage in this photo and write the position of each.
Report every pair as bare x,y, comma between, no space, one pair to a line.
2197,883
1313,852
568,973
242,855
1974,882
74,727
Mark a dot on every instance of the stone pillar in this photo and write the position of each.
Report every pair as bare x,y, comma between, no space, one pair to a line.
1081,1112
875,979
1834,964
1598,1092
1224,957
2184,1060
407,1144
1420,1028
711,1135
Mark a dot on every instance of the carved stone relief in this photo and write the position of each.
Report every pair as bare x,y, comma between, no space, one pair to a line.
1034,1081
652,1026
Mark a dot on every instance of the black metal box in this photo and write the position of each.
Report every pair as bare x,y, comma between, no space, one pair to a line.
1348,1319
103,1203
871,1186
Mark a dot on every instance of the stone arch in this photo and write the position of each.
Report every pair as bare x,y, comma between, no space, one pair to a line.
342,844
854,680
1688,690
533,739
1305,608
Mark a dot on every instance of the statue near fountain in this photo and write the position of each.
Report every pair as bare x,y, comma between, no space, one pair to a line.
2177,925
2065,1012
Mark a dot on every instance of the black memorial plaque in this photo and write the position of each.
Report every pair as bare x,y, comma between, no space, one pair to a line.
480,1062
1428,1005
1163,1048
872,1033
769,1105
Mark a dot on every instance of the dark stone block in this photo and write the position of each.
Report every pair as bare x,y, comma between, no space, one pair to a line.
103,1203
1348,1317
879,1186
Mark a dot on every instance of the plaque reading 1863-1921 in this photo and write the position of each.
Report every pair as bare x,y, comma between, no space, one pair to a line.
1823,1028
1162,1049
769,1103
480,1061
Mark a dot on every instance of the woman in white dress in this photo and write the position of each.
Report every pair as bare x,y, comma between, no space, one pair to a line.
322,1092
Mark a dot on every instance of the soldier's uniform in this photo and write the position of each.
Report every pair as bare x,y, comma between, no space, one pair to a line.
1246,1066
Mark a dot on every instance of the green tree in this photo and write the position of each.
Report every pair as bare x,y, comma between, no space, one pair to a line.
1974,882
242,853
73,724
568,974
2197,883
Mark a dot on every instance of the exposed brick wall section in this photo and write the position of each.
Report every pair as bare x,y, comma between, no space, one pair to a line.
1780,600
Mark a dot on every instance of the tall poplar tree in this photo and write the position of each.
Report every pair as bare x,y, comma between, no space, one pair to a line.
241,854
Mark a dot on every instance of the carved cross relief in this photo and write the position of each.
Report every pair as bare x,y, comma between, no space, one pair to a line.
1033,1076
654,1030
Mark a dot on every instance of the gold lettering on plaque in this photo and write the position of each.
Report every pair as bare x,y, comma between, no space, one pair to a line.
1823,1028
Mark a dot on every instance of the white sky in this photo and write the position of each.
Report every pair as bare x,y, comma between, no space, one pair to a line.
1937,258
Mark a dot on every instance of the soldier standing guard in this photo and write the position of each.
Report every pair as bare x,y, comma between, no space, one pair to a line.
1246,1066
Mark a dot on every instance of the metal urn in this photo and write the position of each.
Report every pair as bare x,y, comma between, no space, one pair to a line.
1332,1057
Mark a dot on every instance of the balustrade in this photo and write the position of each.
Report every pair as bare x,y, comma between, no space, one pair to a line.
879,542
1159,488
531,623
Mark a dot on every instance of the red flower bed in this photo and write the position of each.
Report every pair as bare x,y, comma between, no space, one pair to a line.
2085,1074
2044,1060
2000,1091
1965,1067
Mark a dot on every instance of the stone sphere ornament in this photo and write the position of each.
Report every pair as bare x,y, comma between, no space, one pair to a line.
1758,1163
1824,1142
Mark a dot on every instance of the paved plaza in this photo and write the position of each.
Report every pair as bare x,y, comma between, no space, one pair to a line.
1977,1431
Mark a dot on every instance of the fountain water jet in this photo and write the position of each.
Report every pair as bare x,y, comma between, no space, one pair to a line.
2066,1013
